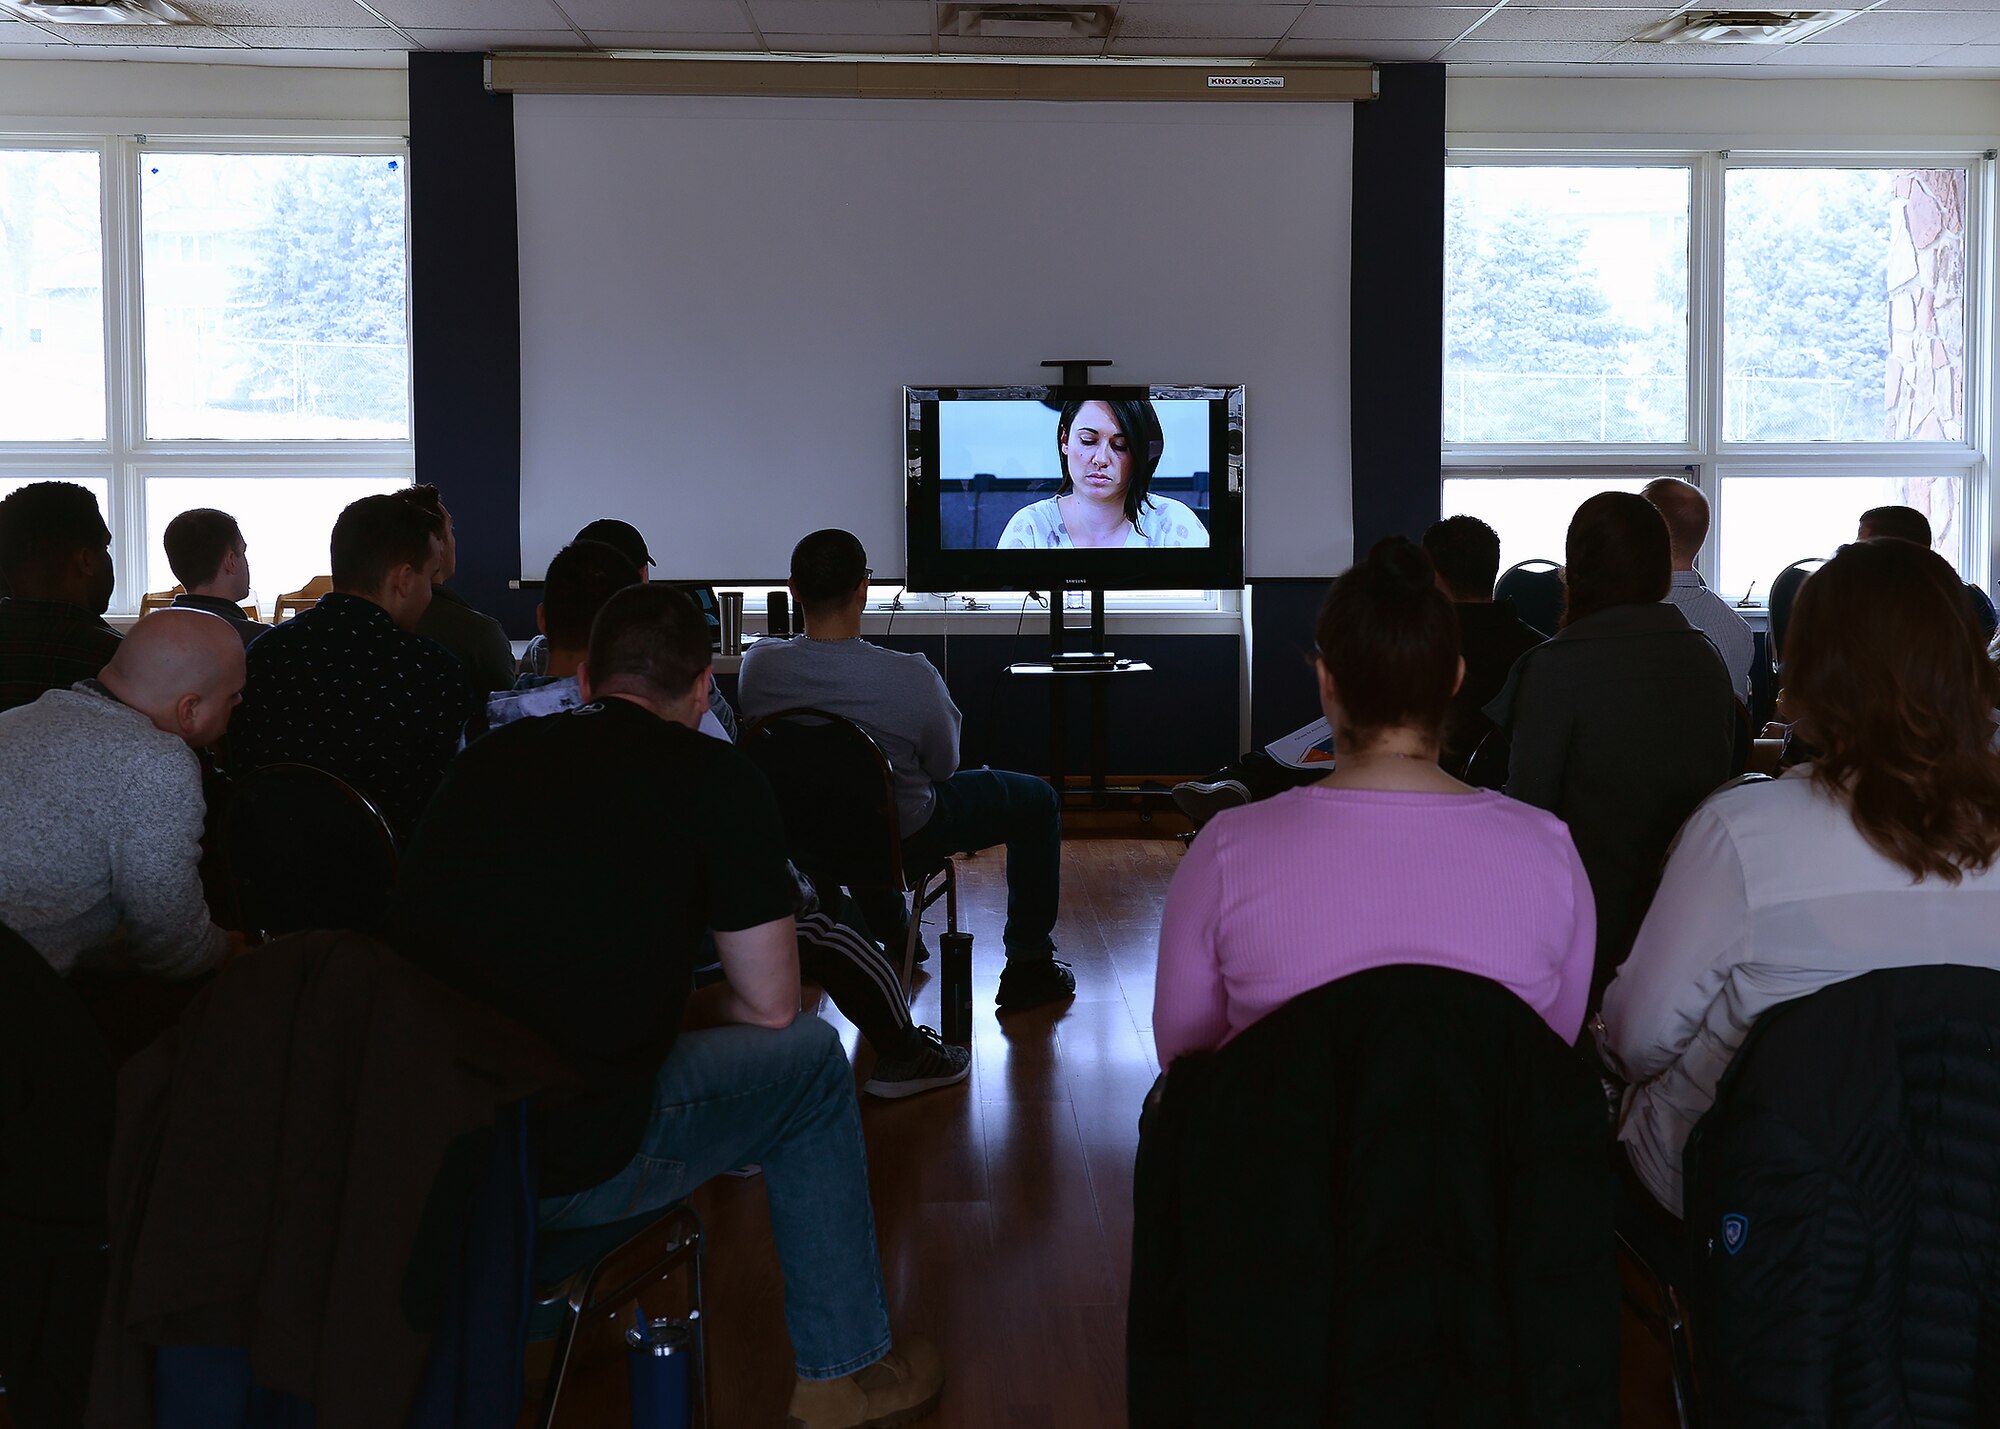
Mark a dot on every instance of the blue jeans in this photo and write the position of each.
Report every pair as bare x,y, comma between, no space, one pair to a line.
728,1096
978,808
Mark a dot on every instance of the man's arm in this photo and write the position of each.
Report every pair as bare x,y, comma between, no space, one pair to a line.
936,733
156,874
762,968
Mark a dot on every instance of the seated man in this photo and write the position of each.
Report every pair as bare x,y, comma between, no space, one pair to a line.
1906,523
101,805
1685,510
478,640
645,834
210,559
55,570
346,687
902,703
1491,636
863,984
621,536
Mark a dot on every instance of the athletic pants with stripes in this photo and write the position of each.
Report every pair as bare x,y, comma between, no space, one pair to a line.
863,983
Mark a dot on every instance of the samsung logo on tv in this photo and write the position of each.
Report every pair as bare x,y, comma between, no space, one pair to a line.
1246,81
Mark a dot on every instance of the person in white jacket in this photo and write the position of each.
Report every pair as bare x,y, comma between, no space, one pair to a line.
1879,853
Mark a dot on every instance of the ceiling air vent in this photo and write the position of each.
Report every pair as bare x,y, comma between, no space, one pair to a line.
1741,27
1026,22
97,12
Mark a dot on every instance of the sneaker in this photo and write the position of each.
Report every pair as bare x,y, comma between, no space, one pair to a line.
929,1063
1202,802
900,1388
1032,983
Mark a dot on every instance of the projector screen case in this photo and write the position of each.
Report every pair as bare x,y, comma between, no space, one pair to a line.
932,564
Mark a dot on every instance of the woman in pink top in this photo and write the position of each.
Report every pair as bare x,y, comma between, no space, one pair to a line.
1386,860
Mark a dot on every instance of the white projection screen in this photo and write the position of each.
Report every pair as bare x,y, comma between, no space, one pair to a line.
722,299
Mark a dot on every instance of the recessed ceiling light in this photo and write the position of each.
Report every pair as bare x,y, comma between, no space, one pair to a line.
98,12
1741,27
1026,22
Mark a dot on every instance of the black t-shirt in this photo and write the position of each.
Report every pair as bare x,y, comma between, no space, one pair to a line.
565,873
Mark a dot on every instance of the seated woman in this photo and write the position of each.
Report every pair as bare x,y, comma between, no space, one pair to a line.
1386,860
1623,722
1880,853
1109,451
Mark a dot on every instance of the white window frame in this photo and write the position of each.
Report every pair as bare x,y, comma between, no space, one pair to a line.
1705,457
127,456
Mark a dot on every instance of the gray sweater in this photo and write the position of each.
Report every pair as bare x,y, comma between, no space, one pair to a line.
898,698
100,834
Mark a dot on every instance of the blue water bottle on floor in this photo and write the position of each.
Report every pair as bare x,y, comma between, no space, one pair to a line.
659,1370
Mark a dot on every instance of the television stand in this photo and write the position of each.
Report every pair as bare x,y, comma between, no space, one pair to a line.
1097,665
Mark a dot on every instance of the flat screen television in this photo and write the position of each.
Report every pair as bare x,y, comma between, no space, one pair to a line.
1038,488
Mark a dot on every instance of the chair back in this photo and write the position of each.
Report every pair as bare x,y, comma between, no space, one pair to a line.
1536,588
154,600
304,598
1784,591
307,850
1428,1234
836,794
1843,1208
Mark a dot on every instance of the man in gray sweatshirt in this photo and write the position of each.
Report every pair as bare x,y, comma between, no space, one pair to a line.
101,804
903,704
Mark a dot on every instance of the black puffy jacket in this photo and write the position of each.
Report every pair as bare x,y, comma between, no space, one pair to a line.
1843,1196
1388,1205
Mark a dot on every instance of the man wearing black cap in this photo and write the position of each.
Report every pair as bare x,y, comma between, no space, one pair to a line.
621,536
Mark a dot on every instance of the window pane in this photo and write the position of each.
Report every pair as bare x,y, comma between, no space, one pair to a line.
1844,294
286,520
1767,522
51,297
1566,304
1531,513
274,296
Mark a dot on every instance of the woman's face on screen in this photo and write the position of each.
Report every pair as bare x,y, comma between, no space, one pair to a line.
1096,454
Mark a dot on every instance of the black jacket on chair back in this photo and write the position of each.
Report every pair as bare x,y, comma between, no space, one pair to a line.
1843,1196
1388,1205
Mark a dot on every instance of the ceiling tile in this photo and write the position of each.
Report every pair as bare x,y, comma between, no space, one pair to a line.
1258,22
15,33
500,39
1912,27
1892,6
1476,50
850,44
1189,47
1849,56
1966,57
470,14
1551,24
976,45
319,37
334,13
693,17
1691,56
1385,22
674,40
842,17
191,37
1380,51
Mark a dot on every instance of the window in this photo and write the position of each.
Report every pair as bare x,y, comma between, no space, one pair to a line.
1791,333
51,296
257,295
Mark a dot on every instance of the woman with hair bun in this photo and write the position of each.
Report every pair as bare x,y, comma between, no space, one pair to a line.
1878,854
1386,860
1624,721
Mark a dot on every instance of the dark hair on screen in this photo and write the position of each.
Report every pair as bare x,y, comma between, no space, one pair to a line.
582,577
649,640
826,567
1618,553
1884,673
1139,424
1898,523
375,535
1389,638
197,541
45,523
1466,552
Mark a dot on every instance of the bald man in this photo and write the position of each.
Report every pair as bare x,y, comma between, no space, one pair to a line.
101,804
1685,510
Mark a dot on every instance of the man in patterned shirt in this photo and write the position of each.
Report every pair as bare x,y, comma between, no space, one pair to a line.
55,585
346,686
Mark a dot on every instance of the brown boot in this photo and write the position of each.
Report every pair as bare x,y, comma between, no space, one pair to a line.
900,1388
